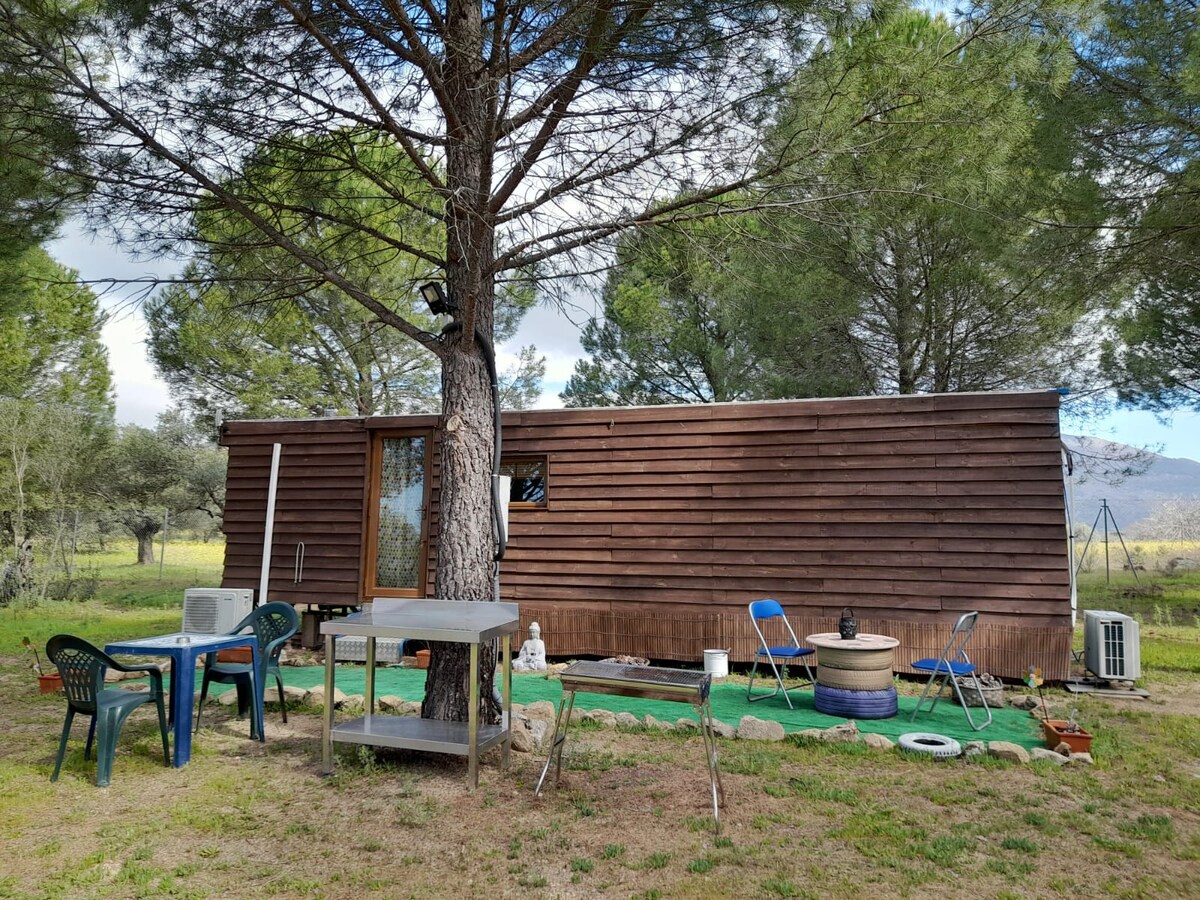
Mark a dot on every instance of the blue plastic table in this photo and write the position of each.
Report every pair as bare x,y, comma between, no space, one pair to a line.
183,656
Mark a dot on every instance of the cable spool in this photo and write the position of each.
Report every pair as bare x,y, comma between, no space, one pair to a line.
855,704
936,745
854,680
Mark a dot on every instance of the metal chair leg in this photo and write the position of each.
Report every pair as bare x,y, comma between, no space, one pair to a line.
779,686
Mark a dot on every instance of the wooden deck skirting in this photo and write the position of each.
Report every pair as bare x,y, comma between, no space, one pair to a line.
1005,651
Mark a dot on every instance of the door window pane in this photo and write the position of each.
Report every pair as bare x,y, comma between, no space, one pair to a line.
401,513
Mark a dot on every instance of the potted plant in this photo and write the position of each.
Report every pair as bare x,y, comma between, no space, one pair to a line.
1067,732
48,682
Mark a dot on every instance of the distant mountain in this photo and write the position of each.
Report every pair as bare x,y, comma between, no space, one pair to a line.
1135,498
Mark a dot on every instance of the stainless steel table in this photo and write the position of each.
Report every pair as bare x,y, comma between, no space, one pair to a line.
646,682
455,621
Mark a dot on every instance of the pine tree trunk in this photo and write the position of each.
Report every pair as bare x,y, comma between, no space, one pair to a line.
465,543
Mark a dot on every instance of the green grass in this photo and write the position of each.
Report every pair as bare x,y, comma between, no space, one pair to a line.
130,600
254,818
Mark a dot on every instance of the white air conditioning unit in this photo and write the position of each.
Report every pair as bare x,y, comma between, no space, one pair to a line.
215,610
1111,645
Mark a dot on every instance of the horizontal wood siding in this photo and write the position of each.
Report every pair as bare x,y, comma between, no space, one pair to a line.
664,522
319,502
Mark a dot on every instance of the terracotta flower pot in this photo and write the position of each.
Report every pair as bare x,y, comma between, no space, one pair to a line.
236,655
48,684
1078,741
422,659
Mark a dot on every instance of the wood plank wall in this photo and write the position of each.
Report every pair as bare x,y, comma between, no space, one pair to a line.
320,502
664,522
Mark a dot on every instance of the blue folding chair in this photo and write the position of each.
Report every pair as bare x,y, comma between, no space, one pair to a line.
950,666
763,611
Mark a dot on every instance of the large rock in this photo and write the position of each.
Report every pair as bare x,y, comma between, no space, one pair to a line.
1025,701
229,698
1181,564
316,697
291,694
409,708
722,730
877,741
538,729
974,748
358,701
1008,751
605,717
1041,753
390,702
522,741
627,720
752,729
540,709
1081,759
652,724
846,733
687,725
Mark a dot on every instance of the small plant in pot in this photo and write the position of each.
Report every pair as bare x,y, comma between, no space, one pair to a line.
1067,732
48,682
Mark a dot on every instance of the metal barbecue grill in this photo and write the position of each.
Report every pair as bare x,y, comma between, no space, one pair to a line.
645,682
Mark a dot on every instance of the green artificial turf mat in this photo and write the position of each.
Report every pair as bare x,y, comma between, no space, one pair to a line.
729,704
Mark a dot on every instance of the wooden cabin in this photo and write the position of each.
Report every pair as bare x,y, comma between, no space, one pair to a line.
647,531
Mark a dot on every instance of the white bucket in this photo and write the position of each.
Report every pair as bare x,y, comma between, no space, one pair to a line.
716,663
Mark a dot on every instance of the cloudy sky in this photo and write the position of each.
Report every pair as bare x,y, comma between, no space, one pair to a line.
141,395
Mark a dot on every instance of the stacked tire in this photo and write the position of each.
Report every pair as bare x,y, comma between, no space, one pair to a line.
855,684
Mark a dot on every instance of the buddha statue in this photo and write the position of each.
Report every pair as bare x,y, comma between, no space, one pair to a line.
532,657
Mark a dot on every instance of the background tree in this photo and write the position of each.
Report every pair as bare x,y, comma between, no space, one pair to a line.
55,402
554,126
916,248
1135,100
942,263
167,470
668,333
39,149
50,344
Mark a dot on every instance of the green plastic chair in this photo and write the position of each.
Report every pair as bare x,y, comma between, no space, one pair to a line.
82,667
273,624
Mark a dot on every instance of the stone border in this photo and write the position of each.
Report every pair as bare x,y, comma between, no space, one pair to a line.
533,723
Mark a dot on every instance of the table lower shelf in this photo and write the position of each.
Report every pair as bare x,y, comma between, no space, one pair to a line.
411,733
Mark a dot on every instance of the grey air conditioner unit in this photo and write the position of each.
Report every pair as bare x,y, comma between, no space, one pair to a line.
215,610
1111,645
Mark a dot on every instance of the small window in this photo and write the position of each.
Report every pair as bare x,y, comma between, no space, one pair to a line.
528,474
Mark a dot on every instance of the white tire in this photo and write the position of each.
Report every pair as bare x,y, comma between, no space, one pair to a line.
936,745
